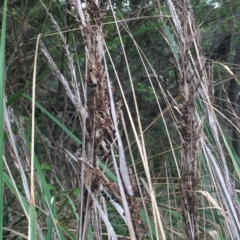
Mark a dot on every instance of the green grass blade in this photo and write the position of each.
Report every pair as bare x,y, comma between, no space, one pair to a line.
172,44
108,172
2,75
68,233
13,188
55,120
52,218
32,222
136,33
148,222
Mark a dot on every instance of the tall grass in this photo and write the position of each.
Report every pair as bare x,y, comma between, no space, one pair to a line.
2,83
117,187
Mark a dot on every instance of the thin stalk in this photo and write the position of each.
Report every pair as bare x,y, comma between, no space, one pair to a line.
32,220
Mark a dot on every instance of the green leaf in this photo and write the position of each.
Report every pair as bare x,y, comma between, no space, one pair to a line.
172,44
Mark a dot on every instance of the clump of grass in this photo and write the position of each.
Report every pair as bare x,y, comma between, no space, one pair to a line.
194,80
119,189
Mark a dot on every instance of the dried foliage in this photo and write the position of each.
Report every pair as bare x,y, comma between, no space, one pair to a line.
190,126
100,117
195,83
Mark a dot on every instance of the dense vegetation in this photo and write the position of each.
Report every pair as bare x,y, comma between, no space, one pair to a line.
119,119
